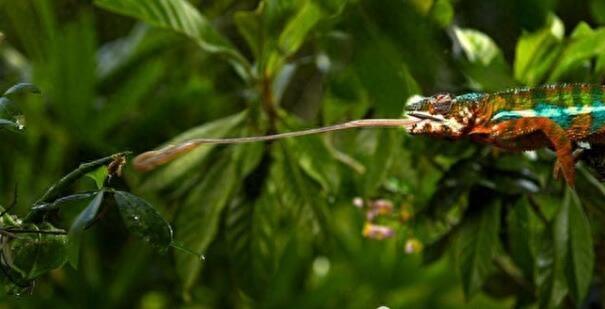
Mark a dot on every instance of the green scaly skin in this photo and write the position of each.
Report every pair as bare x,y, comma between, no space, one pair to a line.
560,117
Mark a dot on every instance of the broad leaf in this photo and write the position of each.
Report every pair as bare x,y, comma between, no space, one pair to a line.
22,88
298,192
584,44
386,146
249,26
442,12
197,223
484,63
98,176
522,229
187,163
551,259
182,17
143,220
580,262
81,222
34,254
313,156
536,52
477,245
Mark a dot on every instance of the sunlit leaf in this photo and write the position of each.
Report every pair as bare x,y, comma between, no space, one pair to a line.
536,52
22,88
442,12
182,17
98,176
584,44
484,63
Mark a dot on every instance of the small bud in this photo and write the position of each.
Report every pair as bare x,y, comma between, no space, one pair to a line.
382,207
358,202
405,213
378,232
413,245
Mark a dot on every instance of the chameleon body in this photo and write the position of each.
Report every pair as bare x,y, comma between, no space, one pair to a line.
561,117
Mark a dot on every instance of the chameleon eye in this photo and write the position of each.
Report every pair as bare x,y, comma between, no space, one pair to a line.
442,104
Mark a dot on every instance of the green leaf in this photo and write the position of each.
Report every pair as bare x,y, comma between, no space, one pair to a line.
313,156
383,73
197,223
584,44
597,8
182,17
11,116
34,254
536,52
98,176
380,161
477,46
298,193
250,242
249,25
143,220
298,27
522,230
580,264
484,63
294,35
442,12
551,259
477,245
79,225
22,88
187,163
128,94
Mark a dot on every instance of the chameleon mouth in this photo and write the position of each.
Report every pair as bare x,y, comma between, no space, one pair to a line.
423,116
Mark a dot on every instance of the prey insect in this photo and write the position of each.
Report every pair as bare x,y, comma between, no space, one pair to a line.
562,117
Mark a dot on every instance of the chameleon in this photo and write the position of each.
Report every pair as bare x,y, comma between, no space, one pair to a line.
563,117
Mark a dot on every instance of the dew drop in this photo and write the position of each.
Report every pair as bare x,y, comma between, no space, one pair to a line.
20,121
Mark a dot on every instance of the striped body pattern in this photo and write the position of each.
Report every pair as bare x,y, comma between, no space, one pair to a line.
579,109
560,117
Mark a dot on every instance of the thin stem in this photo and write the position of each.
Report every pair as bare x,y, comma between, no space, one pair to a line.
18,231
60,201
56,190
151,159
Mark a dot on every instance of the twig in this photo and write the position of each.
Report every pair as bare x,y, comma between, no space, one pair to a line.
61,186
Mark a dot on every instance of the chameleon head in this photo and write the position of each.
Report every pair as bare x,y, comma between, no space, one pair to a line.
439,115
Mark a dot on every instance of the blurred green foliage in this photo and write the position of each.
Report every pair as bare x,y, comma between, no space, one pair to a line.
276,221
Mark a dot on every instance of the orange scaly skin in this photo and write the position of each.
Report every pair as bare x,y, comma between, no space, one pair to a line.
554,116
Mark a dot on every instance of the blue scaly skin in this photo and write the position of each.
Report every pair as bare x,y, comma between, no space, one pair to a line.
555,116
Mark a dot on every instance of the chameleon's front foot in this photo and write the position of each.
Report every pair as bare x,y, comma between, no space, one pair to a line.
557,169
